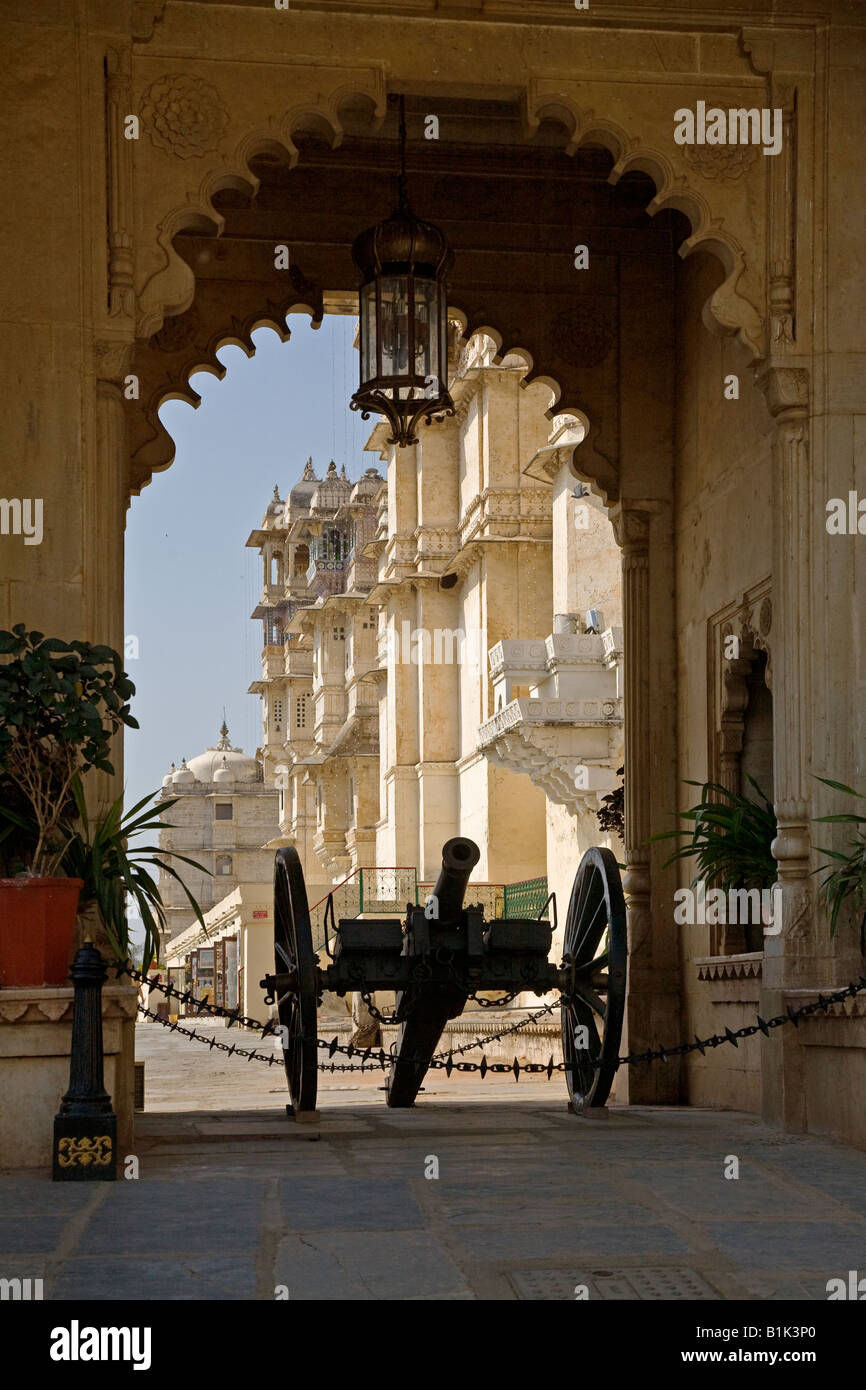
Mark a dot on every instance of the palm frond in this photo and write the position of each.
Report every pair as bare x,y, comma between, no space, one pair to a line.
114,873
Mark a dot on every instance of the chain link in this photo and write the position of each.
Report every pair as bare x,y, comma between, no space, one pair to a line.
495,1003
379,1017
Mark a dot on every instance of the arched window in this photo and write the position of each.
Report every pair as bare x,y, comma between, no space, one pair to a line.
741,742
756,758
224,864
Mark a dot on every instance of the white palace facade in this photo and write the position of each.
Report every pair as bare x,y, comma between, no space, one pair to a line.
441,648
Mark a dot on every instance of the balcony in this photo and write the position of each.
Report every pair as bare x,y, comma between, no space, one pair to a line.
361,571
567,733
272,660
325,577
298,661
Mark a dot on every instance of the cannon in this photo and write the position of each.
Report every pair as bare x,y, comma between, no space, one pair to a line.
441,955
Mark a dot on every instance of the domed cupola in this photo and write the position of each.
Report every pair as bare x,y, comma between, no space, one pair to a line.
276,504
302,493
224,763
224,773
184,775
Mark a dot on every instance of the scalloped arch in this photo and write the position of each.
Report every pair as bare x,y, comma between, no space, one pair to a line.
171,289
727,310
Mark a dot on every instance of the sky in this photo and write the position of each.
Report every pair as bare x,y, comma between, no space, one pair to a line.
191,584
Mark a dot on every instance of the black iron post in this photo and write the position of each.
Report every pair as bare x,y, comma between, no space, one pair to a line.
85,1127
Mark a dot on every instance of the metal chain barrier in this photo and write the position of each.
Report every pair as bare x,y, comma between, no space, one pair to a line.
374,1012
444,1061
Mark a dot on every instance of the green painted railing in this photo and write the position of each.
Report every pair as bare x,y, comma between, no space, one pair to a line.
527,898
367,890
385,891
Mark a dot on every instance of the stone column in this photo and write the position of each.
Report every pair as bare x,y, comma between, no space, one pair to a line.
106,497
105,501
790,959
652,1011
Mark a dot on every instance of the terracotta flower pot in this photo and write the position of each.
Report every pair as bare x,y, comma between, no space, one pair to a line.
37,927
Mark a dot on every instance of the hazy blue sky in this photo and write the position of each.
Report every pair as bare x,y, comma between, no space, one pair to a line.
190,583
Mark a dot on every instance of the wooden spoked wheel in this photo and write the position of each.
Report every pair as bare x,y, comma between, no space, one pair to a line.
296,1000
594,951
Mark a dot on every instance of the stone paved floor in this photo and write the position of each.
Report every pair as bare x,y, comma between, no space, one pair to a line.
233,1199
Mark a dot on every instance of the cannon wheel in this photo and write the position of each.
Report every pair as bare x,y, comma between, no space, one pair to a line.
597,906
293,954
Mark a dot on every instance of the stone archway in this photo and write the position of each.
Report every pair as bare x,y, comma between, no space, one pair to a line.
278,121
228,96
581,340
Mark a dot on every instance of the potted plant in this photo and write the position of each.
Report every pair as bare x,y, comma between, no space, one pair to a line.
731,838
60,705
111,873
846,881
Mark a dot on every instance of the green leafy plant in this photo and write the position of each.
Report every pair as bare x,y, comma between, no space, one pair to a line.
112,872
611,813
60,705
730,836
847,880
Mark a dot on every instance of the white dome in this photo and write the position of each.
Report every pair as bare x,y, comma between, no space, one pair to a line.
232,762
166,781
183,775
238,767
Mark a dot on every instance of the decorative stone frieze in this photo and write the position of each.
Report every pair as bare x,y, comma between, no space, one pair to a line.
743,967
55,1005
505,512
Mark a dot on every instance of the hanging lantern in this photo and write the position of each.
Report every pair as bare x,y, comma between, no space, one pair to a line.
404,317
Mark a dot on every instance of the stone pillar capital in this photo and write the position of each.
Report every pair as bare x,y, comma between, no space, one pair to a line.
112,359
631,524
787,392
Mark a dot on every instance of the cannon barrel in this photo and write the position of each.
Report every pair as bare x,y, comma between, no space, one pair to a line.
459,857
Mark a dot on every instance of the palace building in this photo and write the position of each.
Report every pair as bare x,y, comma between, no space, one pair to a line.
224,814
427,670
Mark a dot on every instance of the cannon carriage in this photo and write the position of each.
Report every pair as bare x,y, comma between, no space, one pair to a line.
444,953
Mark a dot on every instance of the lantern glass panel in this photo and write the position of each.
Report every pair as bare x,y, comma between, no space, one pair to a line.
395,325
426,326
368,332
